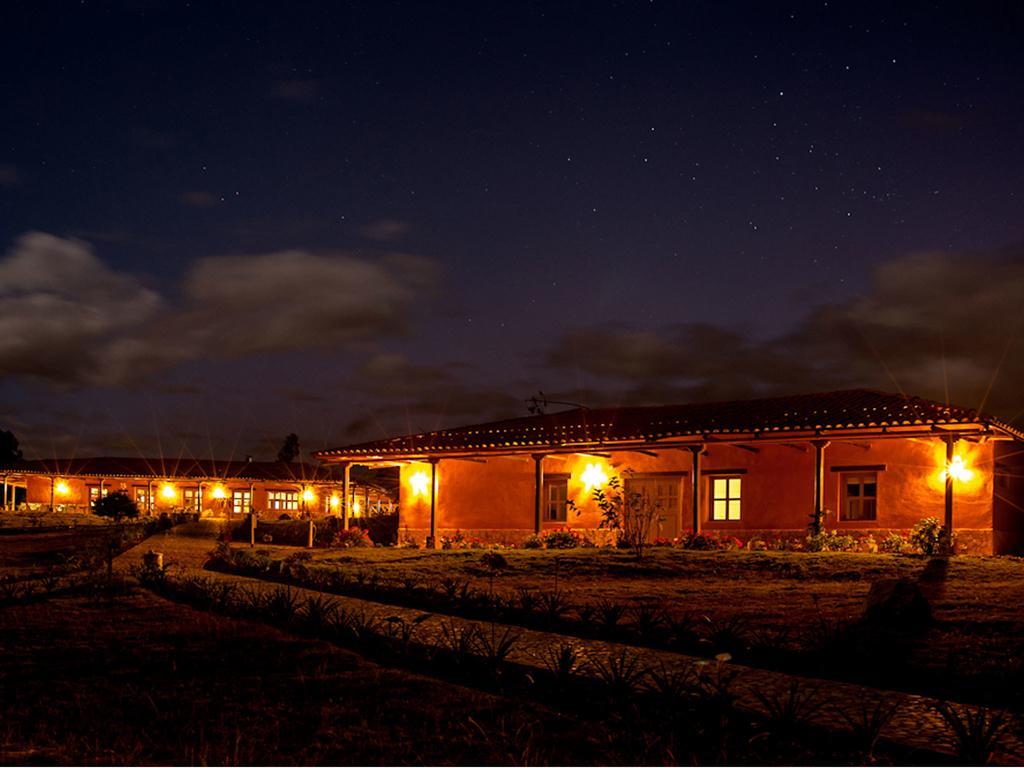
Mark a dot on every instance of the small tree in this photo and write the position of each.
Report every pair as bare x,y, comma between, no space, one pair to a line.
117,505
9,449
631,513
289,449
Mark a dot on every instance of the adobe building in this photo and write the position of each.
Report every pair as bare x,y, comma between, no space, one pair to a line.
865,461
209,488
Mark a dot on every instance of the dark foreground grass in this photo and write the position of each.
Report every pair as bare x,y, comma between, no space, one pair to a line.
795,612
140,680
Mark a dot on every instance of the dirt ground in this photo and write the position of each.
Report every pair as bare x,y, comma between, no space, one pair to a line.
139,680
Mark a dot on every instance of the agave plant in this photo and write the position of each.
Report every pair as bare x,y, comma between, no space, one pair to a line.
318,612
609,615
494,647
620,671
787,710
281,605
867,722
562,661
978,732
553,605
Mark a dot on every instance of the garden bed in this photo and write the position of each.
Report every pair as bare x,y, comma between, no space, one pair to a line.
787,611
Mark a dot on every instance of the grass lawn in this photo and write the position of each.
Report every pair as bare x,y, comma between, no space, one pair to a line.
974,651
767,588
140,680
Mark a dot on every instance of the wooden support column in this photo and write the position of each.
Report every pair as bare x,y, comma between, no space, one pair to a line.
538,490
346,493
818,513
252,529
432,538
53,484
199,500
948,518
149,499
5,493
697,451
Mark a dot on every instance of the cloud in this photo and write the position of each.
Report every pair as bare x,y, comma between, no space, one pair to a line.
299,300
68,318
385,230
413,397
295,90
200,199
929,321
9,176
59,305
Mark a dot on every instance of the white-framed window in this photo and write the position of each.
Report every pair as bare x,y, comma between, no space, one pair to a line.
188,497
284,501
726,497
94,494
556,499
241,501
142,498
859,496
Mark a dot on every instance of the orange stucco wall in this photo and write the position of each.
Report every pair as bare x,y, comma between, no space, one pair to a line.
495,500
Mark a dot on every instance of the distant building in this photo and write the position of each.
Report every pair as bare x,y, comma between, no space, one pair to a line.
863,461
210,488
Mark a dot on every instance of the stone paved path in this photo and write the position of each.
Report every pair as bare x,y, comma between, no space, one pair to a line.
916,725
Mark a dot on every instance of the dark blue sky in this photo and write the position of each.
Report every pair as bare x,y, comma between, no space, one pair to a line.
225,223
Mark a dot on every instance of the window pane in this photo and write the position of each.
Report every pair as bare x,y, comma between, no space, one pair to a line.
852,488
718,512
734,509
721,486
868,509
850,510
870,490
734,487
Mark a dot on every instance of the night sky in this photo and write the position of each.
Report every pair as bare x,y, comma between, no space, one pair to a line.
220,223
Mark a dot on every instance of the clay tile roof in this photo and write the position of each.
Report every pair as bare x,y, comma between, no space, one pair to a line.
582,427
180,469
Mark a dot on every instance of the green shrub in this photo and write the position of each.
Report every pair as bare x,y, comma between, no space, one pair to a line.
929,537
352,537
893,543
562,538
830,541
117,505
533,541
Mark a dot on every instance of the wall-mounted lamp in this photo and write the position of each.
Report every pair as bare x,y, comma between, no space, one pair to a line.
420,483
593,477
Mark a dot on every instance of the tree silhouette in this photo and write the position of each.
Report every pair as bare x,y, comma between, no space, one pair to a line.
117,505
289,449
9,450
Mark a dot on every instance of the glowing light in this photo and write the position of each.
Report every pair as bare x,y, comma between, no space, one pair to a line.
958,470
62,488
308,495
219,492
420,482
593,477
356,508
335,501
167,491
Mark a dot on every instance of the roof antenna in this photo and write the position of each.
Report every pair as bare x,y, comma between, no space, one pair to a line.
537,404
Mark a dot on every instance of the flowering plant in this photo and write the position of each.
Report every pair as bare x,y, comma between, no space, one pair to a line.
706,540
352,537
562,538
